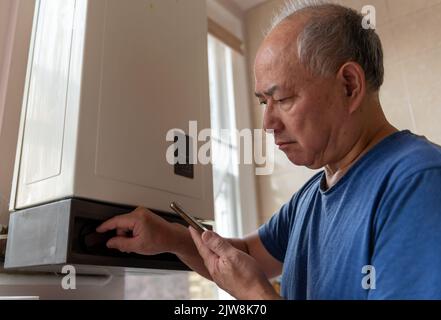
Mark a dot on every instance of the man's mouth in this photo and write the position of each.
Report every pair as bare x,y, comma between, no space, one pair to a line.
282,145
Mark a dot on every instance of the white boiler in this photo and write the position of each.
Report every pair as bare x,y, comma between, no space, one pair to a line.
107,80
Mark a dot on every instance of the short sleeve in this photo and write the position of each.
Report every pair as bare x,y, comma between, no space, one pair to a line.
407,242
275,233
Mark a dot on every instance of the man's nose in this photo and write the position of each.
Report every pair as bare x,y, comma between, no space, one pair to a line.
271,119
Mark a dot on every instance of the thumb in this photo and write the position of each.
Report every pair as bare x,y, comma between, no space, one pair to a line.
216,243
123,244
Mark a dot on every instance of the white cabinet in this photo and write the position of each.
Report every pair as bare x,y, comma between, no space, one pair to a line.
107,79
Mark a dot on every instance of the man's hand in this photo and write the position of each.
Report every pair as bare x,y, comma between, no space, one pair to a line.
233,270
143,232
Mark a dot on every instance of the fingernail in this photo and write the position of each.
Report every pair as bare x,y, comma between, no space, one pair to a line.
207,235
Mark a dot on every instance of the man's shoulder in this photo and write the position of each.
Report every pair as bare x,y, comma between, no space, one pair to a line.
410,154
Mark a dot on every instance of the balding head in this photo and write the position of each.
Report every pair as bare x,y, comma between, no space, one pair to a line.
280,44
325,36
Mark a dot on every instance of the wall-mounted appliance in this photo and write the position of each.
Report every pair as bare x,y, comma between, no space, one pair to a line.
106,81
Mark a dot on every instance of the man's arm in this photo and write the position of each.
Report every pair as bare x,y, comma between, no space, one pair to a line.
255,248
251,245
241,267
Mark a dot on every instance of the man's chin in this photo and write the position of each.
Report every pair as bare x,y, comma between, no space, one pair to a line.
298,161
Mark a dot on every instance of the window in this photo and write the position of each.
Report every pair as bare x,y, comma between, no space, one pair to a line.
224,149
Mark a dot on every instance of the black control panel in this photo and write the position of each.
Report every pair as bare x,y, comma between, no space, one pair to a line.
87,241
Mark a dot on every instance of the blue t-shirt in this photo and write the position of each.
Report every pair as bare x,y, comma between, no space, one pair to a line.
375,235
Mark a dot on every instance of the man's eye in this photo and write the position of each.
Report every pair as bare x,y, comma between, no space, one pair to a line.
263,103
282,100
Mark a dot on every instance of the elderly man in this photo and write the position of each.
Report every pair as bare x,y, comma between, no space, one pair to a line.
369,225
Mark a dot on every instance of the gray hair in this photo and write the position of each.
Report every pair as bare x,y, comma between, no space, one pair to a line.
332,36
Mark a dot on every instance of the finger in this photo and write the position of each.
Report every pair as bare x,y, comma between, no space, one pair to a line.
123,244
125,222
123,232
217,244
207,255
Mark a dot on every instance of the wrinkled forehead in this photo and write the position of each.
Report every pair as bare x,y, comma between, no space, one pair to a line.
281,43
275,64
277,57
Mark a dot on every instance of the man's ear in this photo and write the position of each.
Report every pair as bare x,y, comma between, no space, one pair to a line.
353,80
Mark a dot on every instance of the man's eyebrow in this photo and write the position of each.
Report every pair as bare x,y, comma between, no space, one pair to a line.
269,92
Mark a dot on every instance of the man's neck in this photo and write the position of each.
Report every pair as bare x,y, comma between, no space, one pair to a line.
367,140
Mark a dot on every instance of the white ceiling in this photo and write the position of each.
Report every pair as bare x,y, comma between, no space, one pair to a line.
247,4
